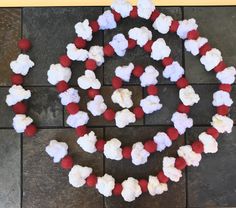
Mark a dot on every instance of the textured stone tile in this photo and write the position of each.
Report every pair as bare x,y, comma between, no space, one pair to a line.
175,197
212,184
10,169
10,30
218,25
50,30
45,184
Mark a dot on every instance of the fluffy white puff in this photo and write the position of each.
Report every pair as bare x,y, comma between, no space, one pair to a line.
71,95
120,44
105,185
173,71
97,106
76,54
150,104
124,72
155,187
124,118
122,97
227,76
131,189
162,140
21,65
221,97
88,80
162,23
209,143
57,73
211,59
57,150
78,175
16,94
193,46
138,154
222,123
87,142
79,119
112,149
191,157
83,30
186,26
149,76
145,8
181,122
160,50
170,170
96,53
20,122
142,35
188,96
106,21
122,7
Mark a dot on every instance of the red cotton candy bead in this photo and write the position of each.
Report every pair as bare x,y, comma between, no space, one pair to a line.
126,152
206,47
174,26
182,83
90,64
91,180
81,131
197,147
92,93
225,87
65,61
143,184
24,44
148,46
167,61
162,178
62,86
172,133
154,15
222,110
152,90
117,189
150,146
30,130
138,111
138,71
80,42
94,25
220,67
72,108
180,163
17,79
117,16
67,162
19,108
183,108
109,114
213,132
193,35
116,82
108,50
134,13
131,43
100,145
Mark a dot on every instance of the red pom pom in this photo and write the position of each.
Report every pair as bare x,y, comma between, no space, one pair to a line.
167,61
17,79
62,86
150,146
30,130
223,110
134,13
162,178
180,163
24,44
100,145
19,108
206,47
126,152
220,67
109,115
154,15
108,50
117,16
117,189
72,108
152,90
81,131
92,93
138,71
65,61
80,42
182,83
172,133
193,35
116,82
174,26
138,111
67,162
131,43
148,46
213,132
225,87
91,180
143,184
90,64
183,108
197,147
94,25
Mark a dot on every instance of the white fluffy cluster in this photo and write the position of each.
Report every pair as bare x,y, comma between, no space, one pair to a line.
193,46
124,118
170,170
124,72
105,185
120,44
142,35
149,76
16,94
131,189
122,7
79,119
173,71
20,122
186,26
122,97
162,23
112,149
155,187
138,154
221,97
97,106
188,96
145,8
160,50
88,80
211,59
57,73
209,143
96,53
162,140
106,21
150,104
227,76
76,54
87,142
71,95
222,123
181,122
57,150
83,30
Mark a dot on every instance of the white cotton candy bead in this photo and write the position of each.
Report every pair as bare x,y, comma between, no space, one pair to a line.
211,59
142,35
124,72
210,144
76,54
160,50
221,97
162,23
83,30
79,119
150,104
88,80
122,7
188,96
193,46
120,44
155,187
124,118
227,76
162,140
186,26
112,149
106,21
145,8
149,76
105,185
87,142
170,170
173,71
138,154
20,122
97,106
181,122
96,53
71,95
222,123
122,97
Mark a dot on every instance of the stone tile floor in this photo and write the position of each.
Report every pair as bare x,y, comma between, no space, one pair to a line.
28,178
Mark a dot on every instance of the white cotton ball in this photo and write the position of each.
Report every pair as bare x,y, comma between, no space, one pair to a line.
112,149
105,185
79,119
88,80
155,187
211,59
87,142
162,140
124,118
145,8
170,170
106,21
122,97
78,175
20,122
173,71
209,143
57,73
124,72
193,46
16,94
181,122
131,189
97,106
138,154
142,35
150,104
191,157
160,50
221,97
122,7
186,26
227,76
222,123
162,23
120,44
188,96
96,53
149,76
76,54
83,30
71,95
57,150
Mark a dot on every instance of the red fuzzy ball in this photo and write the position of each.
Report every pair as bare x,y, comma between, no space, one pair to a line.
138,71
92,93
183,108
172,133
65,61
117,16
162,178
81,131
108,50
193,35
67,162
174,26
91,180
100,145
180,163
80,42
225,87
167,61
150,146
17,79
197,146
213,132
143,184
154,15
152,90
131,43
220,67
19,108
126,152
138,111
116,82
206,47
117,189
62,86
222,110
134,13
182,83
30,130
90,64
24,44
94,25
109,115
148,46
72,108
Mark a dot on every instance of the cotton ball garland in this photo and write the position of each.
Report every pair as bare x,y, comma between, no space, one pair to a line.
221,97
181,122
105,185
122,97
145,8
83,30
20,122
162,140
87,142
124,118
71,95
112,149
96,53
160,50
155,187
76,54
186,26
209,143
106,21
173,71
79,119
138,154
170,170
88,80
227,76
97,106
149,76
150,104
122,7
193,46
162,23
119,43
142,35
124,72
222,123
188,96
